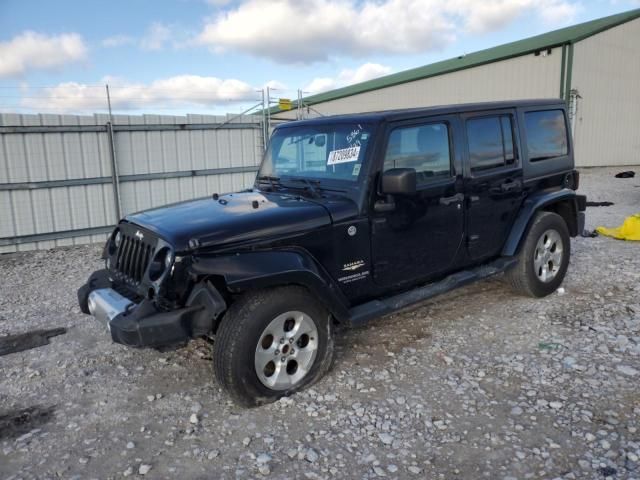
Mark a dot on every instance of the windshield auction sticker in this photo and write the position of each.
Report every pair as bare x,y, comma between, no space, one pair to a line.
345,155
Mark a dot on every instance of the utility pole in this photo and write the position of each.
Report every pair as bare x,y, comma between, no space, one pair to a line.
268,110
265,132
109,102
114,163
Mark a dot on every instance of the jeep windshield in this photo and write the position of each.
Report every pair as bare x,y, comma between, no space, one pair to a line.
320,154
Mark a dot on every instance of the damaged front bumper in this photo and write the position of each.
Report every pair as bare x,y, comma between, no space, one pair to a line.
140,325
143,324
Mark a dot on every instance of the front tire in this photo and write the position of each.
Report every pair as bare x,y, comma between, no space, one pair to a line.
544,258
272,343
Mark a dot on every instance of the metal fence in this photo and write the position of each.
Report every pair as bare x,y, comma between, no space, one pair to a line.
67,179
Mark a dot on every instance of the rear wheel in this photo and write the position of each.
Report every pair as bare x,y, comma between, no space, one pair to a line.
544,257
272,343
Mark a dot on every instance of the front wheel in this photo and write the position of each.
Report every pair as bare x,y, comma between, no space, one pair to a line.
272,343
544,257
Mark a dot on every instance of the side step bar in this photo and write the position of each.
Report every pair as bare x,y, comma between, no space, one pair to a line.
376,308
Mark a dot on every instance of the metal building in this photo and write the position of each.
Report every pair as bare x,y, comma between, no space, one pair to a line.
594,66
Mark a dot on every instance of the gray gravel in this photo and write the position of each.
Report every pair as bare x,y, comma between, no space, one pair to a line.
478,383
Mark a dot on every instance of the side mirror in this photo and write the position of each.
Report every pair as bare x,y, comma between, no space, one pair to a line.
399,181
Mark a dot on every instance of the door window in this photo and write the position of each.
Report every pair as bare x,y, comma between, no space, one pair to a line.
546,134
490,142
424,148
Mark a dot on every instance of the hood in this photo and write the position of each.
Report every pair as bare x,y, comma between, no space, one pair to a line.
235,217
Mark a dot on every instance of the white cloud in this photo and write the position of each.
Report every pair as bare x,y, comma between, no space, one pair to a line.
312,30
492,15
321,84
559,12
31,50
117,41
177,92
156,37
275,85
346,77
622,2
363,73
305,31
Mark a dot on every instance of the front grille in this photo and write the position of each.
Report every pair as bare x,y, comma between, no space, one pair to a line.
133,258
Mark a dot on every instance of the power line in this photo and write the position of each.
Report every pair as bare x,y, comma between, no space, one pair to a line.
130,87
49,96
126,107
26,87
128,99
81,86
50,99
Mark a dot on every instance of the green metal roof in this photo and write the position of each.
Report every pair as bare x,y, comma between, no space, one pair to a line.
555,38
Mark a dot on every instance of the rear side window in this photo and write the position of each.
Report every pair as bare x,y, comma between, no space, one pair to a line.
424,148
546,134
490,142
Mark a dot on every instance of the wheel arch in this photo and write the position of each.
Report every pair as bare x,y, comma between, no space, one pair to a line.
242,272
562,202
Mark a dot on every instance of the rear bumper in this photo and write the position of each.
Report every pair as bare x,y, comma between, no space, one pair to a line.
135,324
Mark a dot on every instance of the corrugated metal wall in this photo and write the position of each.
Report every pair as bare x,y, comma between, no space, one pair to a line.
527,76
606,74
56,186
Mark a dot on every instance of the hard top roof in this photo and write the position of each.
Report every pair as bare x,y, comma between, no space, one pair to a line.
407,113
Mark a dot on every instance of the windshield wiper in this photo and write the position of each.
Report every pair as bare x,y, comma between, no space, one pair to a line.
311,185
273,180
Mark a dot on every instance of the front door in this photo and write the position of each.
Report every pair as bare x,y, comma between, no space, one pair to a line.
494,181
421,237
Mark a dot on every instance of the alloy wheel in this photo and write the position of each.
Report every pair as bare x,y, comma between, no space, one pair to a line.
547,258
286,350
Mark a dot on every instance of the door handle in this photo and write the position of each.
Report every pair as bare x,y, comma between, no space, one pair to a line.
457,198
510,186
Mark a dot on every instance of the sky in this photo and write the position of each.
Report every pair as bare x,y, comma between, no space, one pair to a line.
217,56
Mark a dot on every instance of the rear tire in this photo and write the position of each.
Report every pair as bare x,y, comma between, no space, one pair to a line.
544,257
272,343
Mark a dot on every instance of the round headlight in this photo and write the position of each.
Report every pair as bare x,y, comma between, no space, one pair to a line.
160,263
113,243
168,260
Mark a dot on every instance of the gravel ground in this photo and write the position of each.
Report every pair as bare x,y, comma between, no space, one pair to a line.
478,383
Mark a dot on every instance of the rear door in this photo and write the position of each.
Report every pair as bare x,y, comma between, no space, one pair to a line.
422,235
493,184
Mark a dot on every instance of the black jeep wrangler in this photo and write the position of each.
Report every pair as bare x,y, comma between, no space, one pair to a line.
350,218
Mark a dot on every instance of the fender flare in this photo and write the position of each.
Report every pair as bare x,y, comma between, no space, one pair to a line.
261,269
531,205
